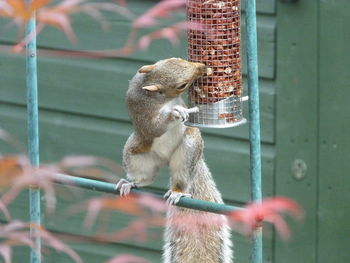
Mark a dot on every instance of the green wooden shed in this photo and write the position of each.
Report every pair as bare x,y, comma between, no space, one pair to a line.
304,61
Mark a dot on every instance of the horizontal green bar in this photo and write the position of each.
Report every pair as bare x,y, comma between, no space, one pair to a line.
110,188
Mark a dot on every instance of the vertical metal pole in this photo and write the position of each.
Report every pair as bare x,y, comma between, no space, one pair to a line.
33,133
254,126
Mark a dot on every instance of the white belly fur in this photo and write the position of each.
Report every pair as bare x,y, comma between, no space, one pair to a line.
165,145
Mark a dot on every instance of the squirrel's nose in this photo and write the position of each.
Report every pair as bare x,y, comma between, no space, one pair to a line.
201,68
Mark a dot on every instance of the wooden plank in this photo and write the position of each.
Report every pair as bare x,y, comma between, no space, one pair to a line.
77,84
266,29
262,6
90,252
70,223
53,147
334,130
63,134
297,122
91,37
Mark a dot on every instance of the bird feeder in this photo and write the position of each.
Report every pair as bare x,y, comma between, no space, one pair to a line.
214,40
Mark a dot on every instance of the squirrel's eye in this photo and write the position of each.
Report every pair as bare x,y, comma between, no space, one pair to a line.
181,87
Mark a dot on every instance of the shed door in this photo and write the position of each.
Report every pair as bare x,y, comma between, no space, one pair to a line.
313,126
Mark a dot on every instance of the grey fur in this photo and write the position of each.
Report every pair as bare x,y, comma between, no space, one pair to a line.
160,138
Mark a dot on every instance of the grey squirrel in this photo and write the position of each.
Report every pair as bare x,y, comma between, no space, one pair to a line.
160,138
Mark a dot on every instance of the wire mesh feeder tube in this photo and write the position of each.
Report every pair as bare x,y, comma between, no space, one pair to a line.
214,39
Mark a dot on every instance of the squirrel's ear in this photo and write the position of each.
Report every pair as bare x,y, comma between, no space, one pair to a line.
151,88
146,68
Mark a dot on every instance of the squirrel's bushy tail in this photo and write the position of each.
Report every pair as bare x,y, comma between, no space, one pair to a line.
193,236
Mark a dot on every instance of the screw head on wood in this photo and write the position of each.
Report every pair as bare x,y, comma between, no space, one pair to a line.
299,169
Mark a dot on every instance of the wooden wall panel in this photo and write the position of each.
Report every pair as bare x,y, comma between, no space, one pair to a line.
296,123
65,134
68,226
82,111
334,130
101,83
91,37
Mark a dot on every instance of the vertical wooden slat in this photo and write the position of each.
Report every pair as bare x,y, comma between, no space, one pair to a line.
297,124
334,126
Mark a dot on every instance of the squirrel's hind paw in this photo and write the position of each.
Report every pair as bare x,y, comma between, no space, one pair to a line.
173,197
124,187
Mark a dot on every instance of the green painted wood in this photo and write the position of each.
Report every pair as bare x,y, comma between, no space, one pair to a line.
91,37
71,125
58,137
263,6
296,134
66,134
103,84
69,223
90,252
334,127
266,30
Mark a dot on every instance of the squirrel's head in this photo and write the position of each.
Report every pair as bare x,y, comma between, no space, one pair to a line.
171,77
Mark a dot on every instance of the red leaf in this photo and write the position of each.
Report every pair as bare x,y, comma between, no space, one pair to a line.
79,160
5,251
194,223
155,204
59,19
5,211
36,4
73,161
127,205
170,33
19,9
8,138
144,42
121,2
30,176
268,210
51,241
162,9
10,169
57,15
126,259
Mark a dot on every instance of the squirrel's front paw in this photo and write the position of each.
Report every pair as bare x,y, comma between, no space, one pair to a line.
124,187
173,197
180,113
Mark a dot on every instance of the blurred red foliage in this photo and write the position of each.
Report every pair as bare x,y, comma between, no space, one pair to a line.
17,233
17,174
269,210
126,259
57,14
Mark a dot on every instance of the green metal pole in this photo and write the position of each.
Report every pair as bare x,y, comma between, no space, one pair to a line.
33,133
254,125
111,188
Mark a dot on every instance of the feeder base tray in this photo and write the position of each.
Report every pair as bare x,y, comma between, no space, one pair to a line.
222,114
227,125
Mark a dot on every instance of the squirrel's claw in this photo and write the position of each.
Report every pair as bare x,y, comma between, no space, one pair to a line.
173,198
124,187
180,112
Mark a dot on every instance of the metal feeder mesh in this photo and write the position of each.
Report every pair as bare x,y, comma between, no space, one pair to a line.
214,39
